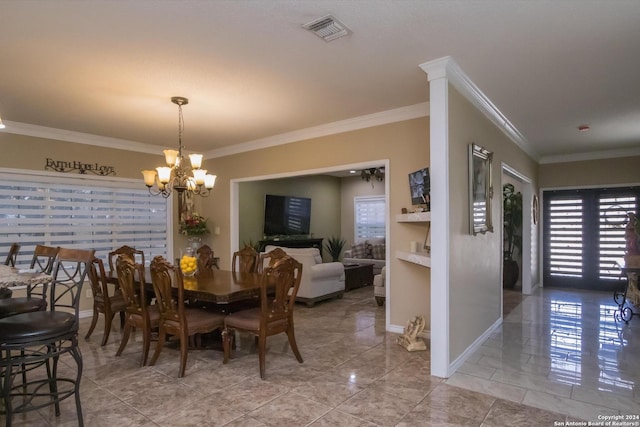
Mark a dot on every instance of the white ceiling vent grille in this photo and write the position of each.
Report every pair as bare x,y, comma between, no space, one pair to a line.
327,28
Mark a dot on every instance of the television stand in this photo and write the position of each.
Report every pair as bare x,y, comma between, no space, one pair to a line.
292,243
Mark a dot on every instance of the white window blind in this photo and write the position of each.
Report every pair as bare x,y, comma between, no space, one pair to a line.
79,213
565,223
369,213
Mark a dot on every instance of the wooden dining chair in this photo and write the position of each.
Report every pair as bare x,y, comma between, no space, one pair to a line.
137,313
36,299
245,260
270,258
12,255
275,314
175,318
137,256
105,301
205,258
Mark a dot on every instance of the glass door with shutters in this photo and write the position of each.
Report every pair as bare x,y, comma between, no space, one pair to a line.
584,236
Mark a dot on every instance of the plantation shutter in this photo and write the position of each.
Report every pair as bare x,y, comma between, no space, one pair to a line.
79,213
369,214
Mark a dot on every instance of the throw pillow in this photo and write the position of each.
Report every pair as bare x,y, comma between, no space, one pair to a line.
368,250
377,251
358,251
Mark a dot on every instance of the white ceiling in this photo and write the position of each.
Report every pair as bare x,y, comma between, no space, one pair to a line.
252,72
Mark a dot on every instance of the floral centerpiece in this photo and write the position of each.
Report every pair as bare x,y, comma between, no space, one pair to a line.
194,226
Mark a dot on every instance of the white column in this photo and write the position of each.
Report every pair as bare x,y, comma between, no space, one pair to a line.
439,171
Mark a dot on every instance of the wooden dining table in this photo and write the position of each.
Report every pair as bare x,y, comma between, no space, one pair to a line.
220,287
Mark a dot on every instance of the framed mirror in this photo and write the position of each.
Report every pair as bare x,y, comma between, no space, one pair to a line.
480,189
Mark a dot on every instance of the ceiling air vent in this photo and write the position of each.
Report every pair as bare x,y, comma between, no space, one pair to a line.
327,28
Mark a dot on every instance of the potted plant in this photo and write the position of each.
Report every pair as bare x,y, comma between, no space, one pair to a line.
334,247
512,223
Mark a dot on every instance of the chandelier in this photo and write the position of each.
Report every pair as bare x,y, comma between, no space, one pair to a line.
372,173
178,175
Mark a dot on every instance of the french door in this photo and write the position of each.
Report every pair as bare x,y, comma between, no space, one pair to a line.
584,236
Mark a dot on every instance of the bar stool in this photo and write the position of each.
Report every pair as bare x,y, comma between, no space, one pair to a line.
29,341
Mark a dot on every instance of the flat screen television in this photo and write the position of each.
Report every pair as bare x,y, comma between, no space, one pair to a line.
286,215
420,186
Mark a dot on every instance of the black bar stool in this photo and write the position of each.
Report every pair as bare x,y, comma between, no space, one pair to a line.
30,341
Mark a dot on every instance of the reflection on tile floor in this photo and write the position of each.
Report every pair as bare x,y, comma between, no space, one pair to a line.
559,356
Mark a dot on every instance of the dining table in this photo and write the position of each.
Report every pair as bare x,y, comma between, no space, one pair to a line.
223,288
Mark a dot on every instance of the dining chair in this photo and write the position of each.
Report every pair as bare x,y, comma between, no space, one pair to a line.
42,261
270,258
279,285
138,312
37,340
175,318
245,260
12,255
205,258
133,253
104,301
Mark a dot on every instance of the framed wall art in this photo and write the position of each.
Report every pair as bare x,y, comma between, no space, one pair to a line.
480,189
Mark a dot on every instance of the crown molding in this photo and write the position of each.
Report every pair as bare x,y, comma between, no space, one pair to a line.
592,155
447,67
361,122
77,137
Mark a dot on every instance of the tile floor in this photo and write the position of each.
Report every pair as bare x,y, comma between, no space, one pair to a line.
559,356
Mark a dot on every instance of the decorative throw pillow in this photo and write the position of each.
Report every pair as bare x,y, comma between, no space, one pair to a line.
358,251
378,251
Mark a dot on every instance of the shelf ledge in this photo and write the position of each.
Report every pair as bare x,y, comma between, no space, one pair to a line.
420,258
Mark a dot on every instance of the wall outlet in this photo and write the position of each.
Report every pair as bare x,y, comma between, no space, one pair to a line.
89,293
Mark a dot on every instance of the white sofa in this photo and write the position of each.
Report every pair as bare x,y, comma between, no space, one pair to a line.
367,252
319,280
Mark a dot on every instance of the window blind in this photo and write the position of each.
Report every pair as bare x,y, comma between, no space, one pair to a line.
79,213
369,215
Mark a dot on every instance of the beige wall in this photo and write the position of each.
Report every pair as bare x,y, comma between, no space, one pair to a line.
475,285
323,190
26,152
405,145
622,170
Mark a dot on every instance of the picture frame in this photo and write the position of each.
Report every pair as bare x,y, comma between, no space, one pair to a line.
420,187
480,189
535,208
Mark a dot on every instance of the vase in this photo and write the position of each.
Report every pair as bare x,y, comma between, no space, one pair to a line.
194,242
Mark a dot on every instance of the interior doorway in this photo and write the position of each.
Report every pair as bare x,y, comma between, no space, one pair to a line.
527,254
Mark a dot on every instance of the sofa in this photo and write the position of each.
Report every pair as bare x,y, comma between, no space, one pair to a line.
320,280
370,251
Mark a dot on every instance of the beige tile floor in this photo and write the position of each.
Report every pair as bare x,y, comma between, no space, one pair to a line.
558,357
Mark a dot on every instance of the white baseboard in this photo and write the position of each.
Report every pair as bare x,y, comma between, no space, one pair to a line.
473,347
85,313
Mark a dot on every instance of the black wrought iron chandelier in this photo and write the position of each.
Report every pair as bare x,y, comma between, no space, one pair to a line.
179,175
372,173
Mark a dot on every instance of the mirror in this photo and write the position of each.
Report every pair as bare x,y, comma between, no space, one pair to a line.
480,189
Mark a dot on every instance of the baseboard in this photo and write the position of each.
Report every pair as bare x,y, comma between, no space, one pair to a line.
400,330
85,313
473,347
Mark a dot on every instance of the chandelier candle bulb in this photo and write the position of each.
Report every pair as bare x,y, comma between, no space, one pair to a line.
170,156
149,177
210,181
199,175
196,161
